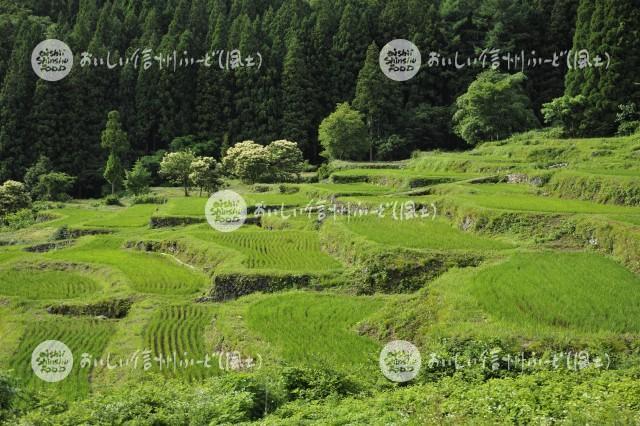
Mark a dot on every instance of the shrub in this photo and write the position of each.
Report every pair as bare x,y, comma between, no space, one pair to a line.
13,197
566,112
55,186
138,179
312,384
112,200
149,199
287,189
62,233
261,188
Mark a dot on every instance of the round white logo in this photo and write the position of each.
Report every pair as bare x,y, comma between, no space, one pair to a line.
400,361
52,60
226,211
52,361
400,59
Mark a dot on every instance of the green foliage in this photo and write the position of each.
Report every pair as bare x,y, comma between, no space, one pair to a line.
313,384
605,89
376,97
391,148
628,119
601,189
176,167
286,160
55,186
565,111
343,134
149,199
193,144
32,176
112,200
253,164
114,139
206,174
138,179
494,107
13,197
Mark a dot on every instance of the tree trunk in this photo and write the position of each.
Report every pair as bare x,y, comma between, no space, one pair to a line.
113,187
186,188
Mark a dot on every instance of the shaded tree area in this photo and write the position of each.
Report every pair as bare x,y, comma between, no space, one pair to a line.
315,55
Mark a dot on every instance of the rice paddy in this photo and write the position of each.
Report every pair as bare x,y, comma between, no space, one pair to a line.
175,336
86,338
316,329
580,291
42,284
521,289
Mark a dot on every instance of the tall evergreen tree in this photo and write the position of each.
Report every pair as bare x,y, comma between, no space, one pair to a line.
377,98
16,96
605,27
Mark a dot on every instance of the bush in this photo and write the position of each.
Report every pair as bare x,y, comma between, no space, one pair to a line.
261,188
13,197
138,179
629,128
566,112
20,219
324,171
55,186
149,199
287,189
61,233
313,384
112,200
8,392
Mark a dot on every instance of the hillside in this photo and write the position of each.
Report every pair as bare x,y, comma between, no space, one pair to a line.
526,248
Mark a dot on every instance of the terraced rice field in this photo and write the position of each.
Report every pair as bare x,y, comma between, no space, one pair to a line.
316,329
580,291
39,284
178,332
146,272
284,249
421,233
81,335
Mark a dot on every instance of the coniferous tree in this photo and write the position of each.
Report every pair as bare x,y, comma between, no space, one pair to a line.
114,139
377,97
16,97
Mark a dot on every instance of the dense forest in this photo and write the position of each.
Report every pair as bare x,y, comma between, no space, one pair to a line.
313,56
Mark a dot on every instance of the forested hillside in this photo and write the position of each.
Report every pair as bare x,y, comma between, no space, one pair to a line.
312,54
